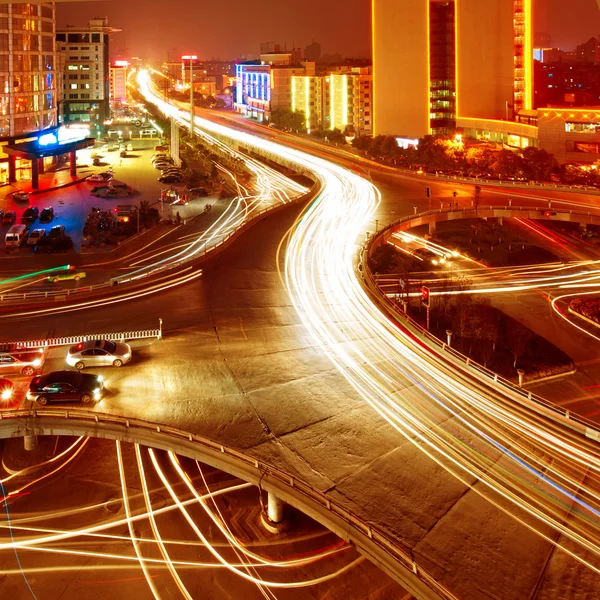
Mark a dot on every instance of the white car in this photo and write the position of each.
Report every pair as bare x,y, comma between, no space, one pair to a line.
21,196
35,236
98,353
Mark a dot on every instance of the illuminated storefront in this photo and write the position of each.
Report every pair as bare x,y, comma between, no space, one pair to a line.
27,158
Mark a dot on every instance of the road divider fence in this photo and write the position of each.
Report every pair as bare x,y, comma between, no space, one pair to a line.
70,340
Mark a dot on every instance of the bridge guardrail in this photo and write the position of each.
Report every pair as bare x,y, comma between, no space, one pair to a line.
590,429
388,543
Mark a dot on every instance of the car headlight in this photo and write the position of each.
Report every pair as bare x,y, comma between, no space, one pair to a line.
97,392
7,394
100,378
37,362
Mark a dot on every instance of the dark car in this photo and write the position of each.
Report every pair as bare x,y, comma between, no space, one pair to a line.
47,215
65,386
30,214
169,179
56,231
198,191
9,217
425,254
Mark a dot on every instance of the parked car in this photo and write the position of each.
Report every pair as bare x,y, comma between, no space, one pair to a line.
198,191
25,362
35,236
47,215
6,389
65,386
56,231
72,273
21,196
9,217
98,353
170,179
30,214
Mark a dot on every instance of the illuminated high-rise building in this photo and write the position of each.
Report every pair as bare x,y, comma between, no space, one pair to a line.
28,102
437,61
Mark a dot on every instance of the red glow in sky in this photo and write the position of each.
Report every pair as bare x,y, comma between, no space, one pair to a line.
157,29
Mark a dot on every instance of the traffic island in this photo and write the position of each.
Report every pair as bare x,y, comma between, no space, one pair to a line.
587,309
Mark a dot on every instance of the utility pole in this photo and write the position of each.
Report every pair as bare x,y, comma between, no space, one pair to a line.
191,58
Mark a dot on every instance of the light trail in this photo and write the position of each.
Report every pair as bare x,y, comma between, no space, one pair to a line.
136,545
463,423
223,561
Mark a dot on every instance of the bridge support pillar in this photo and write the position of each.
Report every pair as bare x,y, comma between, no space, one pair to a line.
432,228
30,441
274,519
275,508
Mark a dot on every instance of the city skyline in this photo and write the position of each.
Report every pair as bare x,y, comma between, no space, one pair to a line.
347,32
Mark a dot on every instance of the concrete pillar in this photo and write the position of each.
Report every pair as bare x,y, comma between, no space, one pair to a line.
432,228
41,166
275,508
73,159
500,221
12,168
35,176
30,442
521,374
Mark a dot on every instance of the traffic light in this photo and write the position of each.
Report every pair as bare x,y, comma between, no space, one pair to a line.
425,300
428,192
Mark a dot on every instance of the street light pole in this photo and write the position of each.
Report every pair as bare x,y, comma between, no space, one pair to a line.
191,58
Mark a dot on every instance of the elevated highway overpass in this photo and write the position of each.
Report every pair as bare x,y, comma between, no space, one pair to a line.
241,366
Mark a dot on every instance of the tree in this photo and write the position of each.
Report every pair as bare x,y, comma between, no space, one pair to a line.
288,118
538,164
476,199
508,163
389,146
336,136
517,338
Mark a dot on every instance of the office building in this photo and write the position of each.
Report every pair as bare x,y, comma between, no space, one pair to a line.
118,81
264,85
86,84
438,61
336,100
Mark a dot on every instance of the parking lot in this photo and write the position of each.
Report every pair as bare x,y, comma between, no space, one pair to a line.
73,204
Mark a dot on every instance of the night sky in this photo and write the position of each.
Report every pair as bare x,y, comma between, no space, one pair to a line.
153,29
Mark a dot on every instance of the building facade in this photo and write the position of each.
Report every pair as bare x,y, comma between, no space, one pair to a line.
436,61
265,85
86,84
28,83
340,100
118,81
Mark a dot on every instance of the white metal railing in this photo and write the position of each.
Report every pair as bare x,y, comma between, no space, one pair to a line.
76,339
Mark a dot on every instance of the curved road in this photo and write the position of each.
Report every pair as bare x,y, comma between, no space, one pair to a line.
237,365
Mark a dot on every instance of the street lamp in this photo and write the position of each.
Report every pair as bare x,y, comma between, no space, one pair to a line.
191,58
